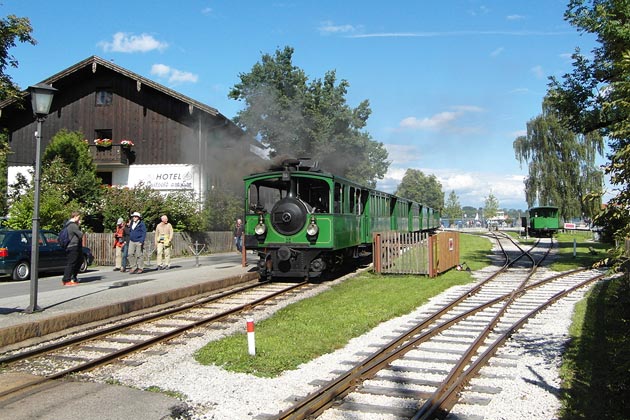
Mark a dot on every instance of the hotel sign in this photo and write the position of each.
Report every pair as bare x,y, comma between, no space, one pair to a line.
164,177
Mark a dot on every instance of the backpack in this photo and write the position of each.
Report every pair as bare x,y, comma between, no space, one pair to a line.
64,237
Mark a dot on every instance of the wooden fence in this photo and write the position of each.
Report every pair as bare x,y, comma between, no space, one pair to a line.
401,253
444,252
415,253
183,244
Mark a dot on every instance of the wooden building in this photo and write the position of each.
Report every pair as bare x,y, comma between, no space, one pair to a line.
178,143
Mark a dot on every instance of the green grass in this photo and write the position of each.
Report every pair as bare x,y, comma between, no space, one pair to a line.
326,322
596,366
577,249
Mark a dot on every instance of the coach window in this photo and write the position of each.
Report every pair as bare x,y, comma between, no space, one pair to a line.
351,201
338,204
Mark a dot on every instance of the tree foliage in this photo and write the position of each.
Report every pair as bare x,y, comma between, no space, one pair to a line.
424,189
595,96
453,208
491,206
562,169
180,207
70,181
301,119
13,29
221,209
80,181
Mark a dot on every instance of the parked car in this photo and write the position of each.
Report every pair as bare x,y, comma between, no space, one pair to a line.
15,253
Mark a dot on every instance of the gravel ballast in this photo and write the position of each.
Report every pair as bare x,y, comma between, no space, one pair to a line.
530,385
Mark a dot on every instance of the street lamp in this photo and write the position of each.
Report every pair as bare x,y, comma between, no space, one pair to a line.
41,99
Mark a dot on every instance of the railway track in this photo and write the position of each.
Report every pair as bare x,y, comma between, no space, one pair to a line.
71,355
422,372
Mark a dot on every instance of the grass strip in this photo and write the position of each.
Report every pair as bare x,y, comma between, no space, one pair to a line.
312,327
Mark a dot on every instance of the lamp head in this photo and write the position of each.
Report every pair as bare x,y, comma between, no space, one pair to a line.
41,98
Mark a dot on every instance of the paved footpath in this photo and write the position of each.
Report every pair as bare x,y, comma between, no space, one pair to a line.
102,294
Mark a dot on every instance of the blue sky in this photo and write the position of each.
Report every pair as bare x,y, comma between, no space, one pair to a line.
451,84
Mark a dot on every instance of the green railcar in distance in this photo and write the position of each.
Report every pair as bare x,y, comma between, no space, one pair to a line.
544,221
303,221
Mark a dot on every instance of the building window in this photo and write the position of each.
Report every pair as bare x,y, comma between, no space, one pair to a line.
106,178
104,97
103,134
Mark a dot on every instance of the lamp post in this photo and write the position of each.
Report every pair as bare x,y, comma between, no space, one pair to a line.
41,99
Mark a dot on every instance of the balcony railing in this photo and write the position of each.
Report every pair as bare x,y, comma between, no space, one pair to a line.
112,155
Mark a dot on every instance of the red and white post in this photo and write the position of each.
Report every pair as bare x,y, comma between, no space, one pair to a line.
251,340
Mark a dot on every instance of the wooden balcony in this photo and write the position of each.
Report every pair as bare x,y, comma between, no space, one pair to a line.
115,155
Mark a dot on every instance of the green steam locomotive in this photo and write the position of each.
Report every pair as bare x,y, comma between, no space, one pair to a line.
304,222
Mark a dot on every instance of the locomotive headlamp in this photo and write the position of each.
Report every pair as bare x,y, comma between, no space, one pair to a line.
312,229
260,228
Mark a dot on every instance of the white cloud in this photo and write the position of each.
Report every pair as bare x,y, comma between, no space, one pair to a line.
497,52
435,121
160,70
173,75
538,72
439,121
515,17
178,76
129,43
328,27
472,188
402,153
519,90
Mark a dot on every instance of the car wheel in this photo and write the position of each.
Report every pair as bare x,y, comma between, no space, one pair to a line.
84,265
22,271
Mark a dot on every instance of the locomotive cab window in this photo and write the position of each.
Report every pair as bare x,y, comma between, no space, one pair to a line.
314,193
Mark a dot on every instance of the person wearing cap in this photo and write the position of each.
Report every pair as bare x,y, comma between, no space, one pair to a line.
137,235
119,243
163,239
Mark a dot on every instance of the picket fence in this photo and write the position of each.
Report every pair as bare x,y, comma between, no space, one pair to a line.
184,244
415,253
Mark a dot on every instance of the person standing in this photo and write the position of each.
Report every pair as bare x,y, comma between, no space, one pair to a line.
125,248
119,243
163,239
74,254
238,235
137,235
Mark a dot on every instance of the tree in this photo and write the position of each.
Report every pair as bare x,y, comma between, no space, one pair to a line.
562,169
80,182
222,208
427,190
12,29
491,206
70,181
452,209
594,97
301,119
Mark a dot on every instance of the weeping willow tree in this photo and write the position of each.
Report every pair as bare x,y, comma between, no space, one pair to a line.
561,164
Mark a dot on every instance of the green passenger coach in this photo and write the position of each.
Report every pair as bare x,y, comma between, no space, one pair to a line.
304,222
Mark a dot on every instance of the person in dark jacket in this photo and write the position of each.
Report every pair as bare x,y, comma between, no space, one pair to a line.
137,235
125,249
74,254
